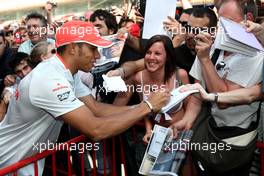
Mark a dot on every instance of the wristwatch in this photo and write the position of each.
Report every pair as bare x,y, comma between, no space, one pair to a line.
215,97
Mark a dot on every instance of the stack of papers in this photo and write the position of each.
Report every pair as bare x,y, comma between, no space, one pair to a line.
114,83
233,37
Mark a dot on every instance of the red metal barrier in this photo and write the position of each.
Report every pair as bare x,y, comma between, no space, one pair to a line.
260,145
35,158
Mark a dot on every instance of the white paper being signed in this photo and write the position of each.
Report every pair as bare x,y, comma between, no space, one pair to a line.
114,83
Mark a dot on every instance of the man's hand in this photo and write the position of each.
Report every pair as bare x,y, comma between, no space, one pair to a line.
122,32
135,15
203,45
256,29
183,124
172,24
202,93
117,11
117,72
9,80
178,31
6,96
159,99
48,7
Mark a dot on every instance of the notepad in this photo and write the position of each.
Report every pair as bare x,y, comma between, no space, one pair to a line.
233,37
176,98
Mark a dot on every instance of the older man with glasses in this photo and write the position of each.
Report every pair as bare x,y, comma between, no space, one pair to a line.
37,32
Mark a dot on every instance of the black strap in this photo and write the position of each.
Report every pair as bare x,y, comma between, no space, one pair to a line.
215,56
258,112
179,82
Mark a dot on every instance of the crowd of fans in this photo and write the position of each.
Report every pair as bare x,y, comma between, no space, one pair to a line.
234,90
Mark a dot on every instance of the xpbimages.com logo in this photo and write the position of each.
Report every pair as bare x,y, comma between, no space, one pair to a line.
145,89
189,30
183,145
73,30
80,147
81,31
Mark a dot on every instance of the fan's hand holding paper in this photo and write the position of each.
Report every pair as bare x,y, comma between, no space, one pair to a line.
114,83
234,38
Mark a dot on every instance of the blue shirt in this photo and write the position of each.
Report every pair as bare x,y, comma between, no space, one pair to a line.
27,46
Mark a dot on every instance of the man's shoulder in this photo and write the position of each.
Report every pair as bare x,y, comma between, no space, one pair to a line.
47,77
48,68
25,47
25,43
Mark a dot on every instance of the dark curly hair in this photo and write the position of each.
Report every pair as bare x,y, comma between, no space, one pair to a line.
107,17
17,58
2,34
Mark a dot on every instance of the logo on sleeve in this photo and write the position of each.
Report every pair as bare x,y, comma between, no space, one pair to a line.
59,87
64,96
17,93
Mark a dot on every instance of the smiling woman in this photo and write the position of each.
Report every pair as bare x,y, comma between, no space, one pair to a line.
161,73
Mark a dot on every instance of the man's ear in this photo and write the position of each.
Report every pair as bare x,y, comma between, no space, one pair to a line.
72,48
42,57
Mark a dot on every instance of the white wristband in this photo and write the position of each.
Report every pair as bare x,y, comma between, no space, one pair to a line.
150,106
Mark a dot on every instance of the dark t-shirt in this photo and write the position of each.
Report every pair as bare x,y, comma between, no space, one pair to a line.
4,66
184,57
129,54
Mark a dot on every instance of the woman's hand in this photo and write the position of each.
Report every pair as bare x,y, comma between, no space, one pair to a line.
146,137
184,124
